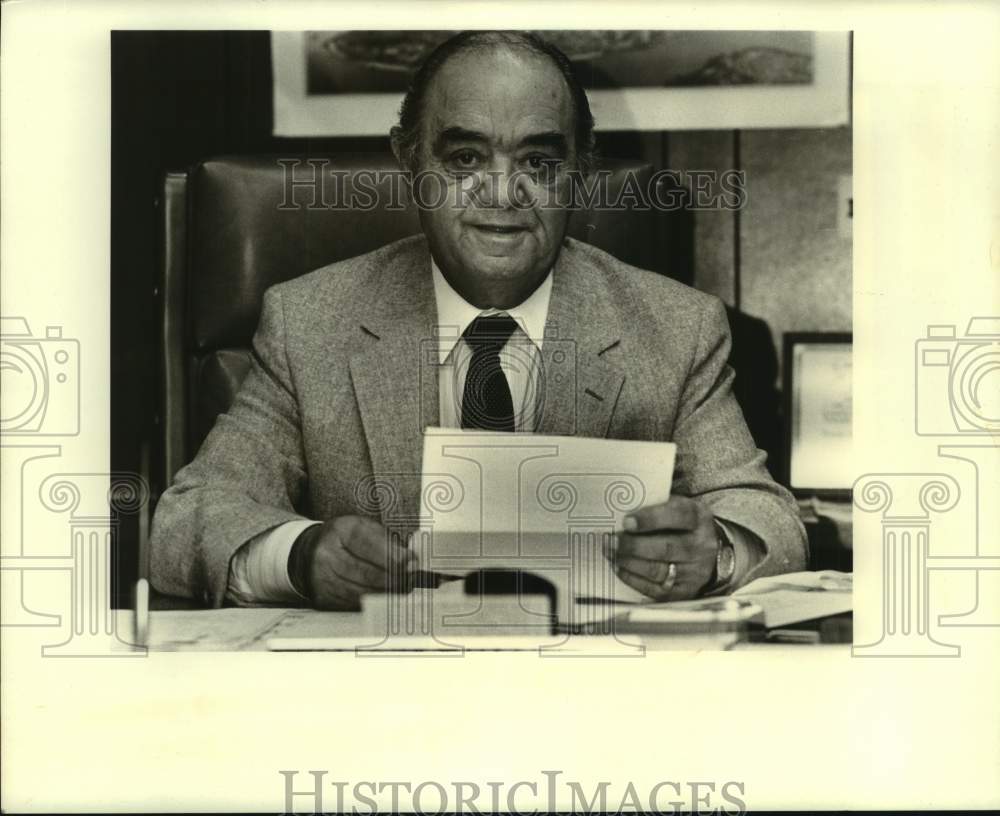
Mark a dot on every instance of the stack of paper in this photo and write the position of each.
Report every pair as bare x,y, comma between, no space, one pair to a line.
546,504
800,596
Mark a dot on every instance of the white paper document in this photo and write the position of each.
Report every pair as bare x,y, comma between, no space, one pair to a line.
548,504
800,596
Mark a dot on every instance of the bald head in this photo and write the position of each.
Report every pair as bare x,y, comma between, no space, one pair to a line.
514,50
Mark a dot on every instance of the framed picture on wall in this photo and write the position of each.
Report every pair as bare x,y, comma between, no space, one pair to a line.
350,83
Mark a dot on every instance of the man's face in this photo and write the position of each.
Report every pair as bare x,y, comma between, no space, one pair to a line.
498,127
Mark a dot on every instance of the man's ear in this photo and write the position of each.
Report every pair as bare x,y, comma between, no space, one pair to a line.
396,142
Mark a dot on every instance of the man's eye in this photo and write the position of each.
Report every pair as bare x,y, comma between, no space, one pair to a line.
465,159
541,162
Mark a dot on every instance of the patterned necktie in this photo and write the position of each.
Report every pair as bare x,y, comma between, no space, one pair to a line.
486,401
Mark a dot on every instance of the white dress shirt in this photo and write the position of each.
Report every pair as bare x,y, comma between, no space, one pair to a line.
520,358
258,572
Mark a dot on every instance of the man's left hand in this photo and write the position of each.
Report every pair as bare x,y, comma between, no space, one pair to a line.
668,551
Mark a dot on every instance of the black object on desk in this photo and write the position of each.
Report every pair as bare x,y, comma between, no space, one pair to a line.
512,582
830,629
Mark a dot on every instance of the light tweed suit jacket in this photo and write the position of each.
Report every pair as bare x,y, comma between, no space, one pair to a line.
341,387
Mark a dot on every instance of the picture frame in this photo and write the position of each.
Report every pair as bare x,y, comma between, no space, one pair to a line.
823,101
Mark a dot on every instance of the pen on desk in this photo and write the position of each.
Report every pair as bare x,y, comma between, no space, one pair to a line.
141,612
141,618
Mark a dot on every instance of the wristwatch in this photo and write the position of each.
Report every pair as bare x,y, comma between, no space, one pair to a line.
725,558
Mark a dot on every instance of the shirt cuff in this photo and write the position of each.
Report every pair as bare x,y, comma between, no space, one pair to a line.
748,550
258,572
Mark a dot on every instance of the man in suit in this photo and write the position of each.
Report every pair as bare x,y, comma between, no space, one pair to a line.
285,502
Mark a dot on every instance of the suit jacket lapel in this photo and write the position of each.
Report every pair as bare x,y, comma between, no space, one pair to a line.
395,383
581,384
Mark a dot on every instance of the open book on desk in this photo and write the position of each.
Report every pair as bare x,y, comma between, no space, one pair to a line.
546,505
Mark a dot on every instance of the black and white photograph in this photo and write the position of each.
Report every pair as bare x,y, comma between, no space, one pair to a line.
498,418
657,412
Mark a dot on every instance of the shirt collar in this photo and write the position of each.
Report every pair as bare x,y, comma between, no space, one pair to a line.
455,313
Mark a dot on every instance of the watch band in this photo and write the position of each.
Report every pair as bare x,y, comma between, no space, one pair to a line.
300,561
725,558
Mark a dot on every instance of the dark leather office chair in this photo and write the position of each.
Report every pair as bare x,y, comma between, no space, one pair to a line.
227,238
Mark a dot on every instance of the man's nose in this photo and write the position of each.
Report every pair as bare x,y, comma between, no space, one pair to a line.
505,187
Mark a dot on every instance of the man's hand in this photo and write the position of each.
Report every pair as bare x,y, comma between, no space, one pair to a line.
668,551
341,560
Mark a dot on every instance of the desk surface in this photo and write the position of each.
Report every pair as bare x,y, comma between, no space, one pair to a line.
263,629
